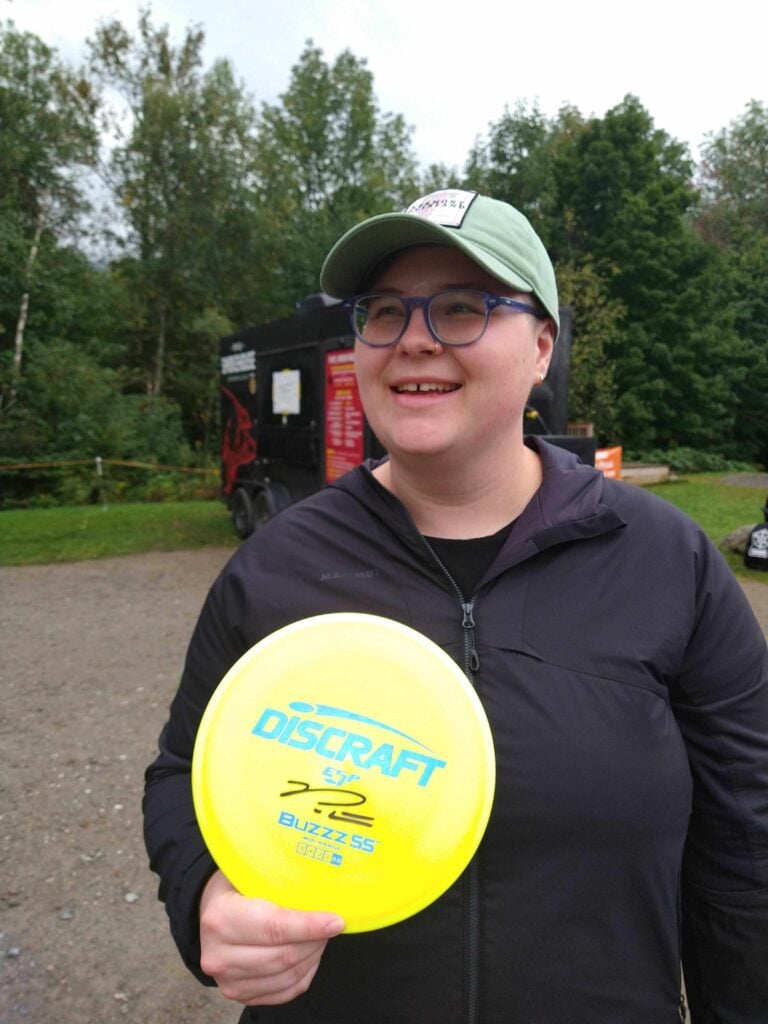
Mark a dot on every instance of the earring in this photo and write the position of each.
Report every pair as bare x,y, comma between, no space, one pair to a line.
539,379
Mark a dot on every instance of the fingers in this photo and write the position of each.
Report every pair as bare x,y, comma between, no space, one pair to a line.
272,991
257,952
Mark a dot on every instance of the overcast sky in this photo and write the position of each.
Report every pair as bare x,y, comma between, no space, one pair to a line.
449,69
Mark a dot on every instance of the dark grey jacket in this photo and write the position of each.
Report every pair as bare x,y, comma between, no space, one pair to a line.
626,683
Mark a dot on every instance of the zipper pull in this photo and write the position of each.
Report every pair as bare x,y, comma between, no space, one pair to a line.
468,623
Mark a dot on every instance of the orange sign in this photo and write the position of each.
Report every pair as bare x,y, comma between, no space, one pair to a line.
608,461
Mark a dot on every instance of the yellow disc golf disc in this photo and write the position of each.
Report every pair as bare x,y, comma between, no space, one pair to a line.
345,764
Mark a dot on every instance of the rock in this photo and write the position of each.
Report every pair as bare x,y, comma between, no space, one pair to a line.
637,473
737,540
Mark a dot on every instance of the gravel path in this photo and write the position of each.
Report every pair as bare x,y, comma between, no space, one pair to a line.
91,654
90,658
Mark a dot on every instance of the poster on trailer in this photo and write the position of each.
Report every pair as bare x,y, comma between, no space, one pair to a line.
343,415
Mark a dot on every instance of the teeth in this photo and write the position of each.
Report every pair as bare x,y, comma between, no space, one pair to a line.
425,387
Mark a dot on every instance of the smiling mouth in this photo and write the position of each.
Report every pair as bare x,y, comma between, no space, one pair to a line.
411,389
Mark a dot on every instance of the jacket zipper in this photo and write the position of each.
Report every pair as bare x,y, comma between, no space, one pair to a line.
471,667
471,657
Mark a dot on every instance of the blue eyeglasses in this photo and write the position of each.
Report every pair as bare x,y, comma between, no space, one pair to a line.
456,317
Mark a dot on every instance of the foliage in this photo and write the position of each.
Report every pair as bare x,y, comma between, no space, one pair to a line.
228,209
734,178
436,177
733,218
654,343
70,408
690,460
326,157
73,406
517,163
183,178
597,321
47,116
747,303
47,136
74,302
624,188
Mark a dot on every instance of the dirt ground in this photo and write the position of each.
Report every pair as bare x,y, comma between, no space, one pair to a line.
90,655
90,658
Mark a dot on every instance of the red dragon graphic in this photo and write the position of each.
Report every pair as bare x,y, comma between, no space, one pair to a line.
238,446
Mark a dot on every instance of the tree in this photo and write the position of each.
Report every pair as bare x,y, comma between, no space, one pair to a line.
624,189
326,157
230,212
734,178
182,173
597,322
73,408
436,177
611,198
733,217
47,135
517,162
747,298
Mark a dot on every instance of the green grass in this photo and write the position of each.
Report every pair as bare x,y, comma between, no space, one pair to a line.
41,536
719,509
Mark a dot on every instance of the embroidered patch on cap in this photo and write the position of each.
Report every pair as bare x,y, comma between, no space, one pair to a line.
448,207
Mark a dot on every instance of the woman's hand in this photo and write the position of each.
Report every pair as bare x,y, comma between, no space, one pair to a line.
259,953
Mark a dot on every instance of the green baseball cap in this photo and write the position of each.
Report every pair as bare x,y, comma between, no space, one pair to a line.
494,234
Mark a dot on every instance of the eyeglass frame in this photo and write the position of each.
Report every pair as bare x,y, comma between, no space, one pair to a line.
411,302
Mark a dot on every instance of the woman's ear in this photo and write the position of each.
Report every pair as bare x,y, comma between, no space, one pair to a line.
545,343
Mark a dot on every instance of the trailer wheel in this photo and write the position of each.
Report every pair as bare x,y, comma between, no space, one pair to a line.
269,500
242,513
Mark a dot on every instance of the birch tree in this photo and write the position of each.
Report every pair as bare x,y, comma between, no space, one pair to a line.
47,137
181,173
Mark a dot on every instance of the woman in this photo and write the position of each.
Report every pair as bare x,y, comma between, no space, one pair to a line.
621,669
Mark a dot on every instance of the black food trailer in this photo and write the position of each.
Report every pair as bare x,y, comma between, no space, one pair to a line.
291,416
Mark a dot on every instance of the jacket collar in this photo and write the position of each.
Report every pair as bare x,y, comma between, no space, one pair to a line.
570,505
